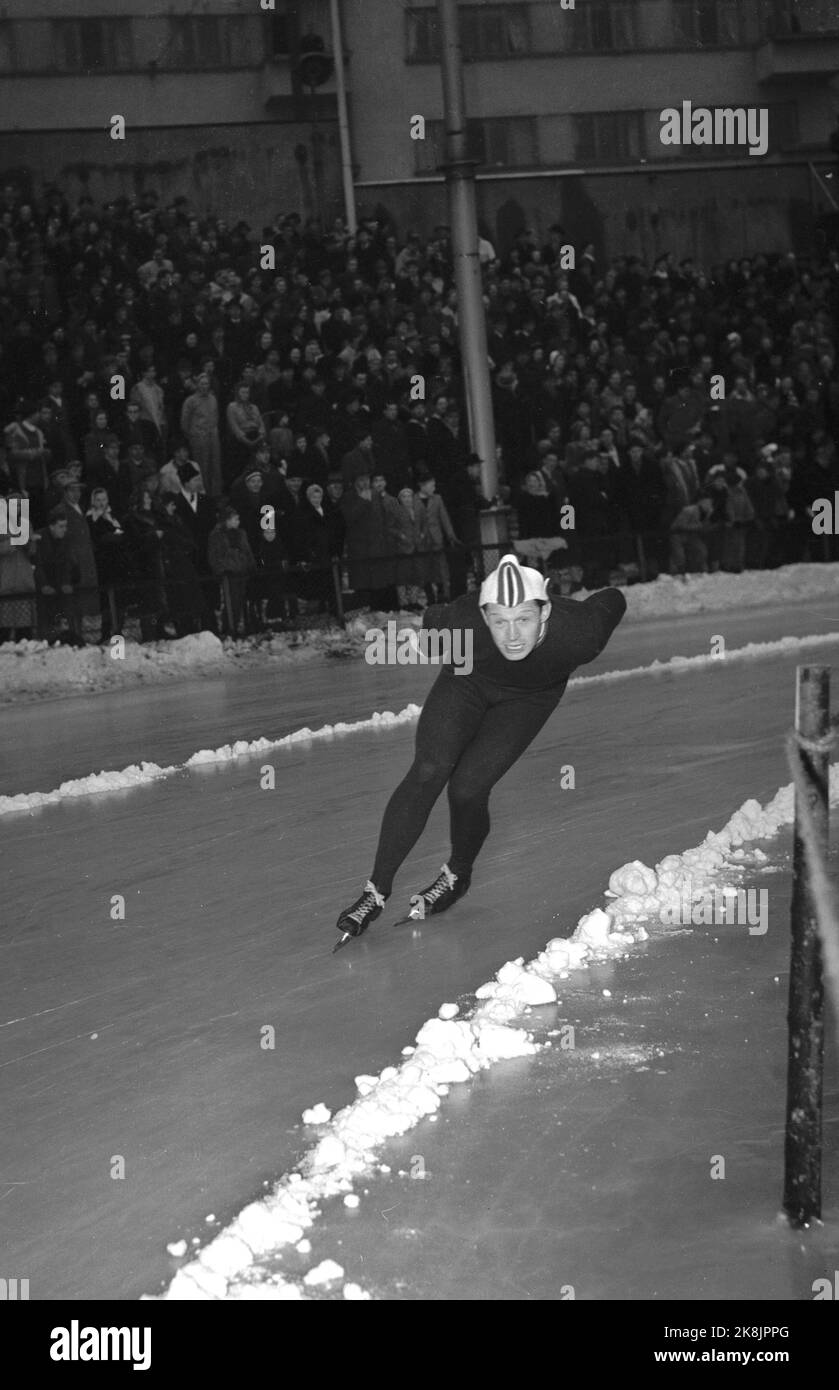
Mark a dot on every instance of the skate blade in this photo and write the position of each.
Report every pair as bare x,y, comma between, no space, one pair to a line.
344,939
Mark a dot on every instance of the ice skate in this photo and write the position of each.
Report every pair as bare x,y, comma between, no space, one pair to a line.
356,919
440,895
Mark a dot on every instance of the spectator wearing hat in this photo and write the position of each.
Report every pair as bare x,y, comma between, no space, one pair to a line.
247,495
57,583
195,511
200,424
231,560
440,533
360,461
18,615
80,547
336,524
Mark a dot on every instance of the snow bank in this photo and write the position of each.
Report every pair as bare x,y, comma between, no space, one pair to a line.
34,670
715,593
450,1050
149,772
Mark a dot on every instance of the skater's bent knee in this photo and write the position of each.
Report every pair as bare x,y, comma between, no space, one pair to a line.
429,771
464,790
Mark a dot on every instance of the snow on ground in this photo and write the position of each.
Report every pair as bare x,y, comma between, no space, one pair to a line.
35,670
451,1049
136,775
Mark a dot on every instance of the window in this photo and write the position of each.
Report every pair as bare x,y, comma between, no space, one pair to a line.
213,41
279,35
8,54
486,31
609,137
711,23
498,142
92,45
196,41
604,26
782,18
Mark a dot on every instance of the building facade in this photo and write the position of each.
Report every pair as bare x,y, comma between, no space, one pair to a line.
213,108
565,107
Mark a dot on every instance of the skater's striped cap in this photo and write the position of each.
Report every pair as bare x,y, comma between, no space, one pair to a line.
512,584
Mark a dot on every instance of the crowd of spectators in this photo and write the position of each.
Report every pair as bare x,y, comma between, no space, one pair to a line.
175,414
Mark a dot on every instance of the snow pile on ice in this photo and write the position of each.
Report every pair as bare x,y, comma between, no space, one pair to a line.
447,1051
38,670
450,1050
96,783
149,772
714,593
33,669
680,665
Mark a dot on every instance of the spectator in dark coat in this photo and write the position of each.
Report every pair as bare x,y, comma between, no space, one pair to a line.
314,541
231,560
112,555
196,512
391,448
186,600
336,524
143,536
56,583
115,475
536,509
368,541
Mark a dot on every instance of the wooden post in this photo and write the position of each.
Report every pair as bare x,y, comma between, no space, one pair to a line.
805,1017
336,580
228,604
112,608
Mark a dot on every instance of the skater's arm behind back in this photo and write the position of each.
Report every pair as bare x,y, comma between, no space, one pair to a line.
585,627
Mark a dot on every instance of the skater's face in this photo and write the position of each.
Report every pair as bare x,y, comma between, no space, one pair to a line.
515,631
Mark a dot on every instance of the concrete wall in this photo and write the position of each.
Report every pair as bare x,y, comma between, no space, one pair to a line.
708,214
241,171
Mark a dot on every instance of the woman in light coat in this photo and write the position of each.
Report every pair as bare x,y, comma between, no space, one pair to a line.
440,533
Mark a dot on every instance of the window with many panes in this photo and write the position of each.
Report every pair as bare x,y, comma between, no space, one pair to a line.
498,142
486,31
604,26
92,45
708,23
8,51
213,41
609,137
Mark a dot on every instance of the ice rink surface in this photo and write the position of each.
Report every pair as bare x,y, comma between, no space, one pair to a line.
141,1039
